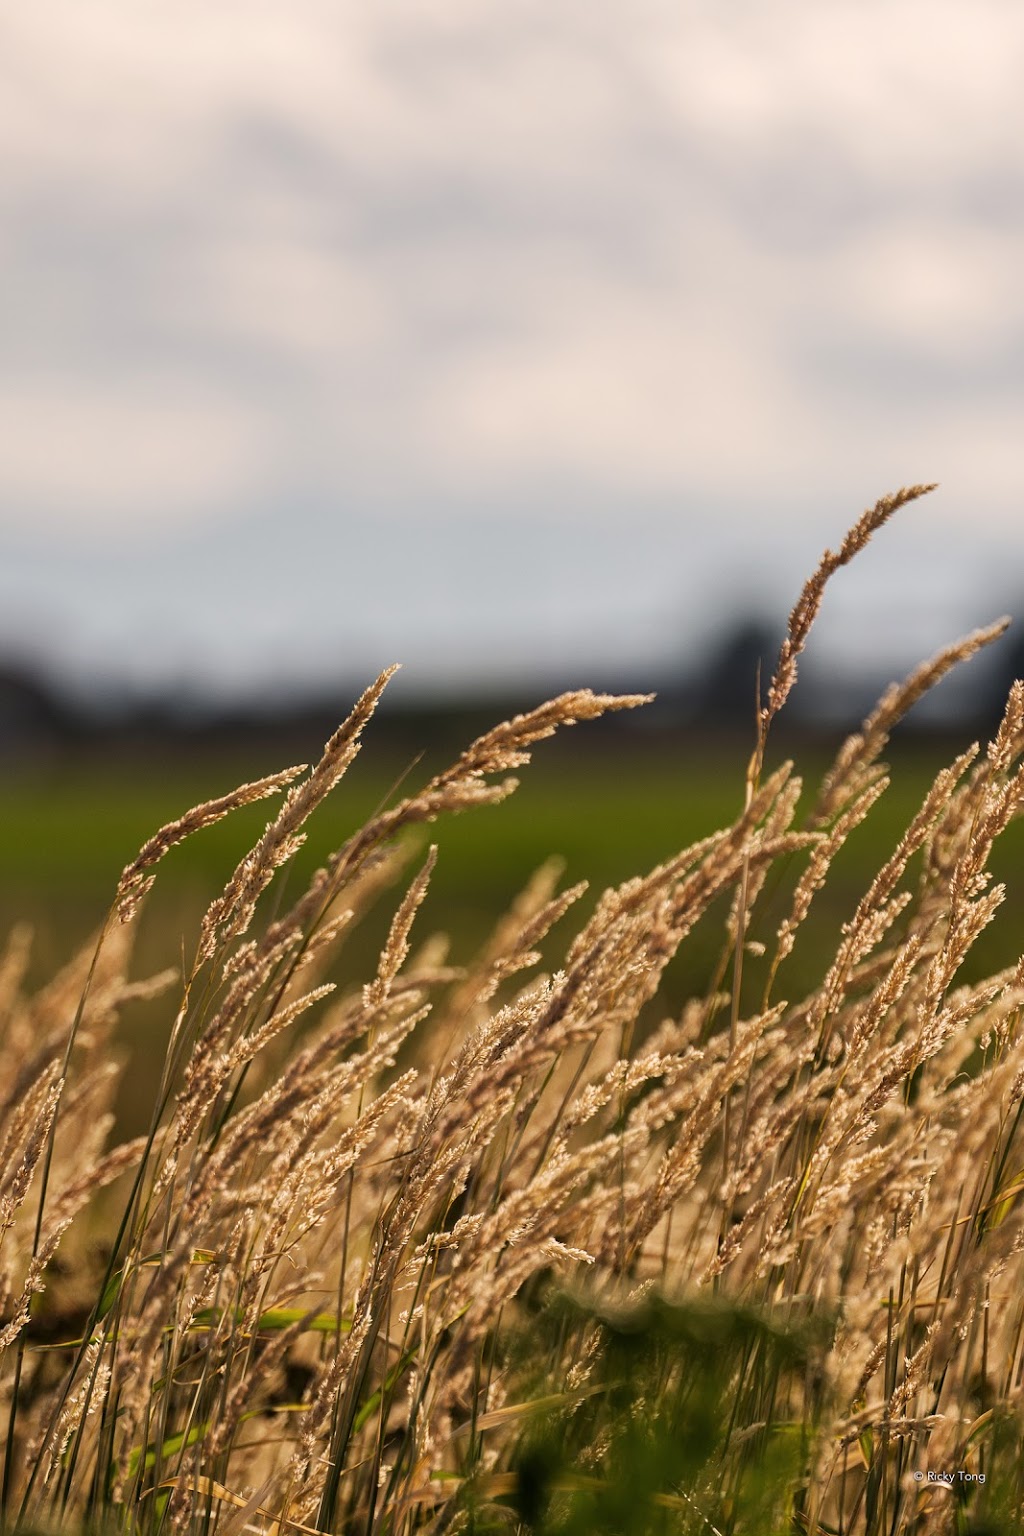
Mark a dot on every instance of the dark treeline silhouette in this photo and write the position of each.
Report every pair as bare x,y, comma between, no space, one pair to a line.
708,693
34,718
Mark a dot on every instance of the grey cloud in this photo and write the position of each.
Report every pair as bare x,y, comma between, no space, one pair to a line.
596,267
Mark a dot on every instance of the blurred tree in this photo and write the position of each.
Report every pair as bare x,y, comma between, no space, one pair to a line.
727,682
33,721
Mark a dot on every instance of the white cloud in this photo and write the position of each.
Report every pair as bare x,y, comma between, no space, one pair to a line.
590,255
602,240
109,459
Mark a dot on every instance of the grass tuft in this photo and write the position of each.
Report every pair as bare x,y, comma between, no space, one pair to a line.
510,1247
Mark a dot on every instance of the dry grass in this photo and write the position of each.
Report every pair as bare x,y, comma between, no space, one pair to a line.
353,1197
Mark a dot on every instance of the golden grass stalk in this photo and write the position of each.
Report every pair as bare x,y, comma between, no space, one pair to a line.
352,1196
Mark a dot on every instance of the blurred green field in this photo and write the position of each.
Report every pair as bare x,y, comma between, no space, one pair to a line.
609,815
67,836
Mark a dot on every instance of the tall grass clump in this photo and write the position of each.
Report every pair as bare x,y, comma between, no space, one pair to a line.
504,1248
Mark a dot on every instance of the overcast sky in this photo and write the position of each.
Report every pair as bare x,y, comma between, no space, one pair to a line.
493,336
